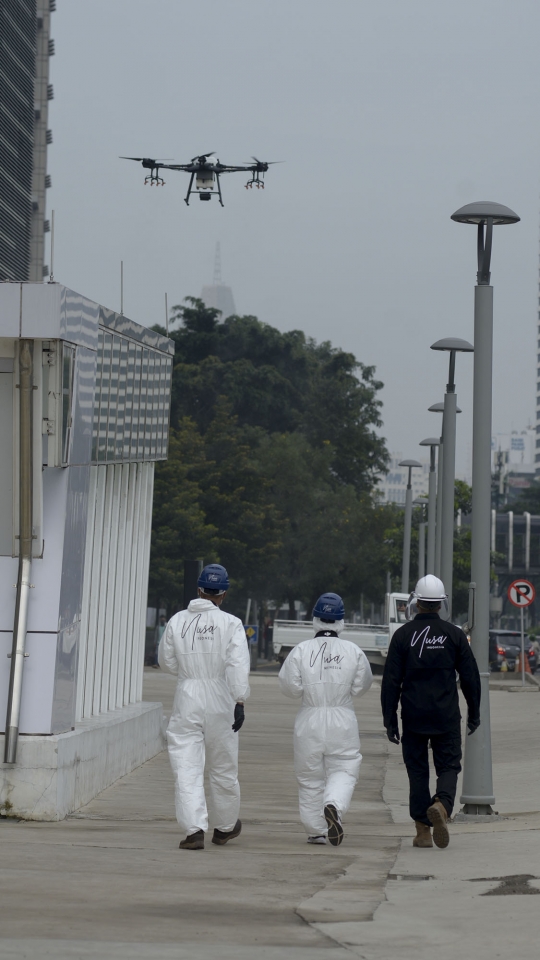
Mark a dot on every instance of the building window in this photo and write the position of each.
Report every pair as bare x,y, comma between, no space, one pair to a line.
131,404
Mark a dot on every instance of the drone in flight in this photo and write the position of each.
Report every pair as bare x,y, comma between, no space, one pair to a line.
206,170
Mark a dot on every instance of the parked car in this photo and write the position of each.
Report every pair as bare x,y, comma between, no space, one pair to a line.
506,645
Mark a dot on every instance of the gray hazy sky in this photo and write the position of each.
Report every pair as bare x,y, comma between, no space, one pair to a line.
389,114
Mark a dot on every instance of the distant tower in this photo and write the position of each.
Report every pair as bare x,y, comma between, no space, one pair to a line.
218,295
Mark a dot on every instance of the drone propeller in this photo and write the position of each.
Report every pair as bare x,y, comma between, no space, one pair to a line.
148,159
203,156
267,163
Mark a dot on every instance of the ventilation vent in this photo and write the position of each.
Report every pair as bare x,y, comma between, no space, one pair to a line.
50,92
46,226
51,48
48,182
49,136
45,270
52,5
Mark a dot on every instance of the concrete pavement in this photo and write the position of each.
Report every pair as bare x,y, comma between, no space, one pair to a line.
110,882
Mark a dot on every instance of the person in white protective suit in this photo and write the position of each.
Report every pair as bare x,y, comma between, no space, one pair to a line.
326,672
207,649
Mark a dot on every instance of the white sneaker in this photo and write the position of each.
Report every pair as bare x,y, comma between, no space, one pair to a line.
316,839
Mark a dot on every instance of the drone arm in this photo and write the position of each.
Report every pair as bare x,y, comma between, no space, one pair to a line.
225,169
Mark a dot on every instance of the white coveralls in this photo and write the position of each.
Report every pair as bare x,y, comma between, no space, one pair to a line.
207,649
326,672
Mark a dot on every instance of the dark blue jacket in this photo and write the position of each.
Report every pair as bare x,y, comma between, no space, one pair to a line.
423,658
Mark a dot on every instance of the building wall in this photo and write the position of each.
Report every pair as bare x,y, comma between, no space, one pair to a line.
393,486
101,415
113,616
43,92
17,66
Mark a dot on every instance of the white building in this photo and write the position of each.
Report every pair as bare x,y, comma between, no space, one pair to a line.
79,454
393,486
517,448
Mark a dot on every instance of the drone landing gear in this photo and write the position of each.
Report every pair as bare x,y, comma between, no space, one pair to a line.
219,189
187,196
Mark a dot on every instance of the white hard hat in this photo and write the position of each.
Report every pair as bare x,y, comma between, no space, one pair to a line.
430,588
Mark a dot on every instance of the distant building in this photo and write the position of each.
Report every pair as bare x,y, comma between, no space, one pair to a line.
518,447
41,181
24,95
218,295
512,463
393,486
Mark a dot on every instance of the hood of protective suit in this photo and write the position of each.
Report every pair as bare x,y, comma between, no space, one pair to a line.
337,626
199,605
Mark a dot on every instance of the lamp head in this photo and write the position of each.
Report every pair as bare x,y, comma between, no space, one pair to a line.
439,407
453,343
430,442
409,463
483,210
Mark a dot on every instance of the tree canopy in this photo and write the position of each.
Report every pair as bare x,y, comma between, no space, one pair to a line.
273,463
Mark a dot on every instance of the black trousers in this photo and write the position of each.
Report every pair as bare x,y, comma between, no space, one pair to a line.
447,759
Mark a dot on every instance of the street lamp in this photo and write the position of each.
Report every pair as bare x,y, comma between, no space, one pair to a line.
421,502
432,443
453,345
439,408
477,795
406,562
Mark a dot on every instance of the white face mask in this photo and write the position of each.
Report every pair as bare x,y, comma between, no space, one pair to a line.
335,627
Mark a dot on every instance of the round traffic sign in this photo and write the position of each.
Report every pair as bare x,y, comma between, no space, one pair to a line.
521,593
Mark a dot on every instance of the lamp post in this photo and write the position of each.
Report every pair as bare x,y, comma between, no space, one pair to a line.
439,408
477,795
406,562
432,443
453,345
421,502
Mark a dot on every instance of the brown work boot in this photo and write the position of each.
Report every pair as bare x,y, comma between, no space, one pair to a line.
220,836
423,835
195,841
438,818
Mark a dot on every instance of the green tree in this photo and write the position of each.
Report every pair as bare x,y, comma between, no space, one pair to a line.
528,500
179,524
280,382
273,463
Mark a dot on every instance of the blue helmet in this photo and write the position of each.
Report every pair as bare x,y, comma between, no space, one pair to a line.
214,579
329,608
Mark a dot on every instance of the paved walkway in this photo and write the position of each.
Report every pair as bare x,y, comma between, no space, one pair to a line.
110,882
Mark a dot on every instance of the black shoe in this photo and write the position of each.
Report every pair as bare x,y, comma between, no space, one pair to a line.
220,837
195,841
335,830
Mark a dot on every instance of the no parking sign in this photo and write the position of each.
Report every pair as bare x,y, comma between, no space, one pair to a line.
521,593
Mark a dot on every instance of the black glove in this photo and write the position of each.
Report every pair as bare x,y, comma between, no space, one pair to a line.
239,717
392,732
472,725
